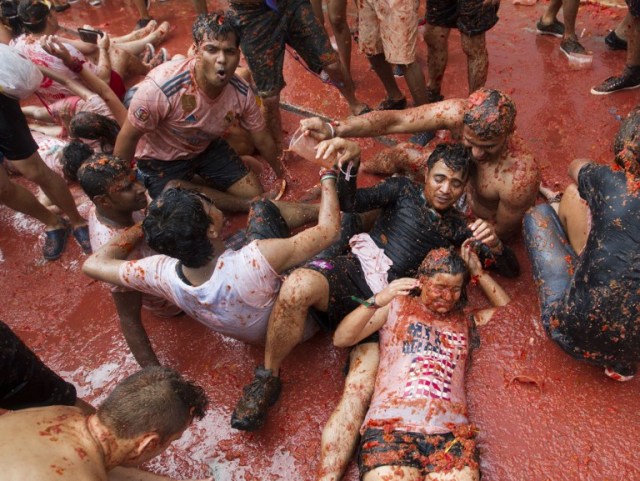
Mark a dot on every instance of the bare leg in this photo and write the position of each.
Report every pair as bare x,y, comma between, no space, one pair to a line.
141,6
464,474
437,40
575,216
302,289
569,14
633,51
623,28
415,81
126,64
271,111
340,434
316,7
403,159
475,48
384,71
247,187
393,473
551,13
346,88
136,47
37,113
136,34
340,27
55,188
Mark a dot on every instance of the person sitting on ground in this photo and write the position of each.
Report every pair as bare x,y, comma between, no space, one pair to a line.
141,417
586,259
179,114
231,292
505,178
414,219
417,426
114,65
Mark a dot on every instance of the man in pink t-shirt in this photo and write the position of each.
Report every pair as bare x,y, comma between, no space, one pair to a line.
181,112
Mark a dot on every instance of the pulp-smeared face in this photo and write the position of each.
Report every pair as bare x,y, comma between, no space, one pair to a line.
483,150
442,186
441,292
127,194
218,59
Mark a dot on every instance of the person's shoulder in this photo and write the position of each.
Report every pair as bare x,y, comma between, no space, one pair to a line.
171,77
240,86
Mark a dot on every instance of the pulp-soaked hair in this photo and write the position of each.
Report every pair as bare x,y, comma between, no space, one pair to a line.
98,174
9,16
455,156
626,145
490,113
156,399
73,155
446,261
218,25
176,225
90,126
33,15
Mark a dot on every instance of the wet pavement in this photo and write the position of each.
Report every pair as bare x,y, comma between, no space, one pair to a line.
541,414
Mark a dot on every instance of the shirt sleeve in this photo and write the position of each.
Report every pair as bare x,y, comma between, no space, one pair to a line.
380,195
148,107
145,275
589,179
252,118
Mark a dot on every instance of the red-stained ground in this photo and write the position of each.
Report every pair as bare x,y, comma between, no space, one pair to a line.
541,414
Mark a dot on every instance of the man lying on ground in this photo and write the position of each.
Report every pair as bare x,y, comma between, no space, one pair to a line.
417,426
504,181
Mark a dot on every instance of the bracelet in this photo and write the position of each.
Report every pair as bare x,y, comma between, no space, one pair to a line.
371,302
348,174
75,65
333,130
325,171
328,177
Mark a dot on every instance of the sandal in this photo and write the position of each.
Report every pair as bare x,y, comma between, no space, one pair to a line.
81,234
364,110
55,241
390,104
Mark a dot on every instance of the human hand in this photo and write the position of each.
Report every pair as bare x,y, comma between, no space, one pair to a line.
470,257
104,42
344,150
316,128
484,232
53,46
399,287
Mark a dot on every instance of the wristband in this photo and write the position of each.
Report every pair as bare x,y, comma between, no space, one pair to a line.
347,173
371,302
324,171
333,130
75,65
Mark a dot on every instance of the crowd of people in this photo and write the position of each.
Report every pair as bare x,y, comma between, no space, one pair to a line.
384,268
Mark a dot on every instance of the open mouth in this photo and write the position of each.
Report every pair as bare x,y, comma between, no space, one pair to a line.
221,74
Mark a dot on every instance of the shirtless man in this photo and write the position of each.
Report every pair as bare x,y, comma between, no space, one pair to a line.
143,415
505,181
180,113
231,292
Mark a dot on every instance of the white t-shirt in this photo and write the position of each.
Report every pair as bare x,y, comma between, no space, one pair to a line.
236,301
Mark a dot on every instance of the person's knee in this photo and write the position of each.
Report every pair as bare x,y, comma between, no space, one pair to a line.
34,169
7,188
299,289
474,46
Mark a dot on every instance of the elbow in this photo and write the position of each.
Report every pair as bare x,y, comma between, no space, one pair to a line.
340,341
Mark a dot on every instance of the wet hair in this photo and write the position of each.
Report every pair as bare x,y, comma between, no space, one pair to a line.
155,399
626,145
490,113
9,16
73,155
176,225
33,15
97,175
446,261
455,156
90,126
217,25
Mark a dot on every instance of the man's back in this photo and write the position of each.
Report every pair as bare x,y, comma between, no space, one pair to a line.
50,443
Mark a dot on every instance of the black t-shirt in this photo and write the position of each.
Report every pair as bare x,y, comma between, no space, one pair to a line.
408,228
602,309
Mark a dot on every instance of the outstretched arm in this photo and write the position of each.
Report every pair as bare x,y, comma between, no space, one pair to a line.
104,265
267,148
371,316
129,307
447,114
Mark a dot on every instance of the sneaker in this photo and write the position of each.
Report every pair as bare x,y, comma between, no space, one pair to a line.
55,241
619,373
422,138
434,95
141,23
556,28
570,46
630,79
390,104
398,70
614,42
251,411
81,235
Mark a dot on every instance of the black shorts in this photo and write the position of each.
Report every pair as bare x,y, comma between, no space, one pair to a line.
219,165
26,381
634,7
470,17
346,279
16,141
264,222
414,450
265,33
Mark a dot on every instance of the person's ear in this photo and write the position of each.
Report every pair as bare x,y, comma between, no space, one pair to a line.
102,200
212,233
147,443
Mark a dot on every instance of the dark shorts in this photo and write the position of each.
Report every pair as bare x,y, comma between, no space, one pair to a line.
218,165
427,453
264,222
468,16
346,279
25,381
634,7
16,141
266,32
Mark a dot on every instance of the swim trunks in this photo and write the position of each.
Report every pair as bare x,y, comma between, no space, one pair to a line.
470,17
16,141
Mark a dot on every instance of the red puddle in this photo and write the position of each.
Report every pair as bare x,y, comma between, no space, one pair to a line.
541,414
